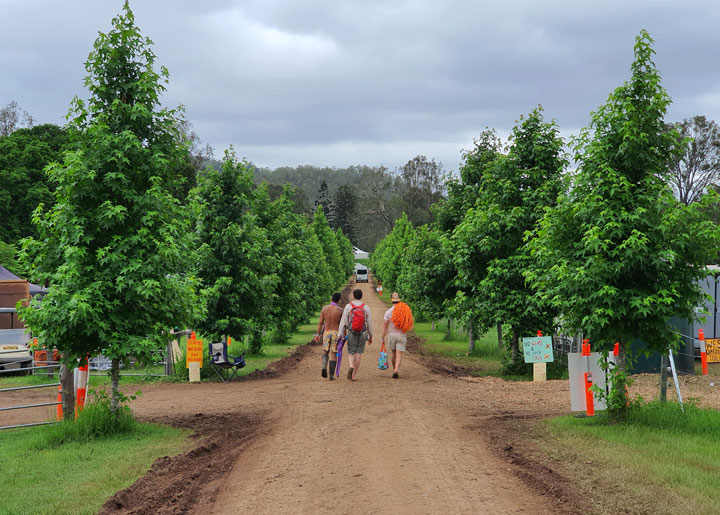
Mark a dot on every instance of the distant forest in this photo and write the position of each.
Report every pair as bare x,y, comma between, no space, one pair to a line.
363,201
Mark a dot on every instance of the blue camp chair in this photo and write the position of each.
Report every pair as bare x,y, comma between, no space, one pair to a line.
226,367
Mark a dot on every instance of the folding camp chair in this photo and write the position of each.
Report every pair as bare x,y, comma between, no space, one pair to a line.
220,361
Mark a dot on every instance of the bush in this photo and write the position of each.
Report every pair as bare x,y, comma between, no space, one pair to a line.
94,421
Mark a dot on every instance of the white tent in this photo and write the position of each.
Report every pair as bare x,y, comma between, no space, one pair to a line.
360,254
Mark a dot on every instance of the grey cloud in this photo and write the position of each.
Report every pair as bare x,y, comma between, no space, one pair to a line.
292,80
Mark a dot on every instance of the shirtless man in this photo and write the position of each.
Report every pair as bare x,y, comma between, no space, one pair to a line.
327,329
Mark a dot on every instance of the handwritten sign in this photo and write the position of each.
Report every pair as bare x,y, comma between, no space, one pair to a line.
712,347
194,352
538,349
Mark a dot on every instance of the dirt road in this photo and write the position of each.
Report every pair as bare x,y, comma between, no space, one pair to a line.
376,445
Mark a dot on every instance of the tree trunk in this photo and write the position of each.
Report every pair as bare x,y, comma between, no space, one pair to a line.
514,343
499,332
115,385
471,339
447,333
433,324
67,383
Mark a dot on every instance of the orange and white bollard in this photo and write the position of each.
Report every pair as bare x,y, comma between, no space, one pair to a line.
59,412
589,401
703,352
81,385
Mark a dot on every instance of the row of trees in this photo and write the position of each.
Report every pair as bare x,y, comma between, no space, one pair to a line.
606,249
126,260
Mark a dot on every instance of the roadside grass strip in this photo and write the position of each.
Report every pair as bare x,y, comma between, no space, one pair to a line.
271,352
658,461
484,361
42,478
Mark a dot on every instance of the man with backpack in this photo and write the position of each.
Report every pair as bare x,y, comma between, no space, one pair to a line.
357,321
327,332
398,321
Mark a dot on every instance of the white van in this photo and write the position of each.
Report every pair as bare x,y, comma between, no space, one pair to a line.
361,275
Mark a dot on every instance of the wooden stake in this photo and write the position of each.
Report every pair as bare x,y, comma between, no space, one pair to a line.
194,370
539,372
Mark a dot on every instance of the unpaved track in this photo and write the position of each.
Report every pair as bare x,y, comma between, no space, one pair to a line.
425,443
377,445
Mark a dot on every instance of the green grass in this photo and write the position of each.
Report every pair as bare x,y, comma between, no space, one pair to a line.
484,361
77,477
659,461
271,352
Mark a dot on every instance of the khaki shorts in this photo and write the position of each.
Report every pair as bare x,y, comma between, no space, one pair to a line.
397,342
330,341
355,343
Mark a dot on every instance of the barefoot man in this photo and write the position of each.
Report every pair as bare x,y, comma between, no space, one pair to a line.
357,321
327,329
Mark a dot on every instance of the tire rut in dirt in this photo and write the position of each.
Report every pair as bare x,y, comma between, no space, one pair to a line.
177,484
507,434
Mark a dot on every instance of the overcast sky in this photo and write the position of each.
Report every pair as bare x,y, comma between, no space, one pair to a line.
336,83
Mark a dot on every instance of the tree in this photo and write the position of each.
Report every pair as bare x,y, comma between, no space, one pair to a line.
388,259
12,117
330,249
619,255
346,253
345,205
427,280
697,169
421,185
114,247
237,273
450,212
489,244
23,156
323,201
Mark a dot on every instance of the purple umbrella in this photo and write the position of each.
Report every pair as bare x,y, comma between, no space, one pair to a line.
340,343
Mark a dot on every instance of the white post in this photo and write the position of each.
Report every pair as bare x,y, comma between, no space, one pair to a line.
675,378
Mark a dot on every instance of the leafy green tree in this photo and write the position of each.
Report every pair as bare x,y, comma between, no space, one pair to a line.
238,273
449,214
620,255
8,258
23,157
346,252
427,279
388,259
489,244
330,249
114,247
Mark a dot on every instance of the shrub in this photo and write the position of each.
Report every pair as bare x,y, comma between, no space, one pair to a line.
94,421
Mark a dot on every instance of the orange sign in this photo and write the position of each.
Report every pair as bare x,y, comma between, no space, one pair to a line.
194,352
712,347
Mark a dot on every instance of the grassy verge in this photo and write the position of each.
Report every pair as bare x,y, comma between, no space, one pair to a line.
483,361
77,477
142,375
660,461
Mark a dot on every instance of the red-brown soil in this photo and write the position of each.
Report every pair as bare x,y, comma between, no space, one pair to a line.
432,441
